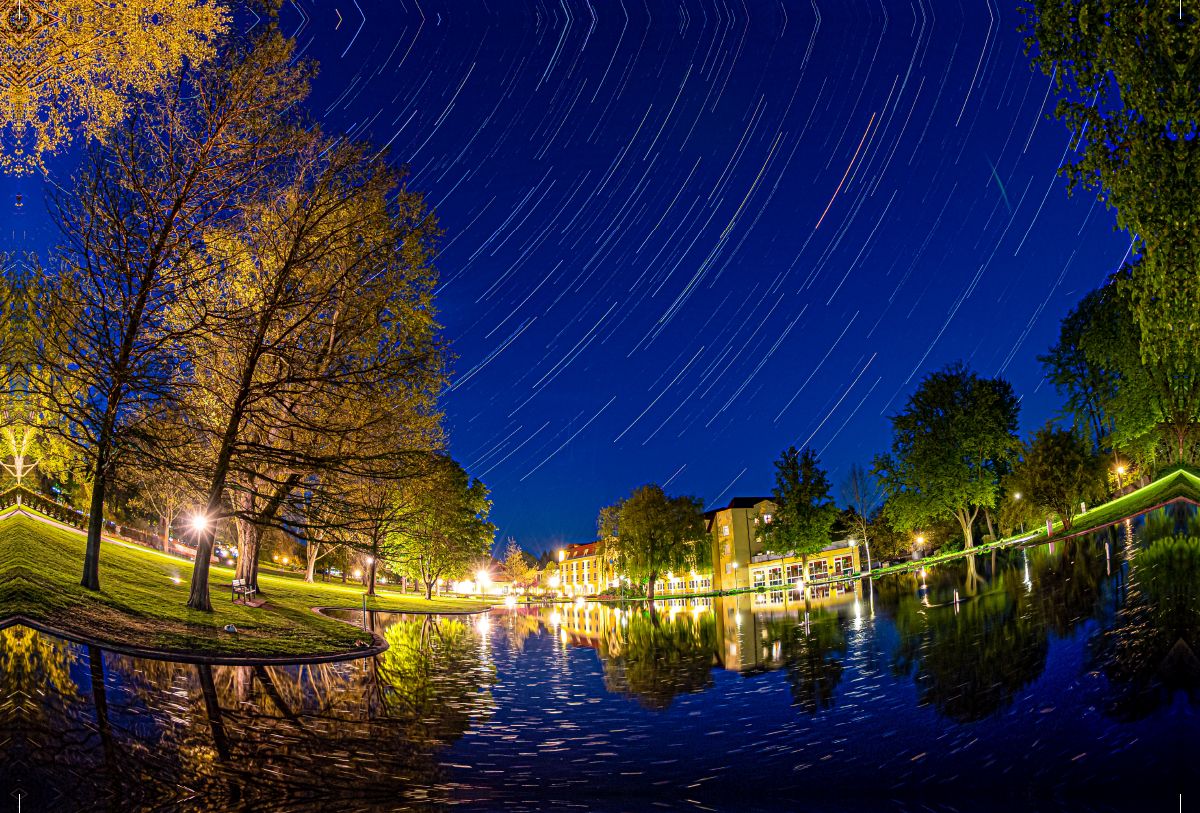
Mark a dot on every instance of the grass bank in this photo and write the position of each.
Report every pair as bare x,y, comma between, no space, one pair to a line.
1172,486
143,595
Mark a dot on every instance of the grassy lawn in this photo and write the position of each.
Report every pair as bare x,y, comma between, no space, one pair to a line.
1179,484
141,603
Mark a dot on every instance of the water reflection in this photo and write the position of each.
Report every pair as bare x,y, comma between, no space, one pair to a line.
85,729
1096,633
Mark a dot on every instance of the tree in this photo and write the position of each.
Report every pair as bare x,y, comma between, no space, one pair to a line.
1129,75
650,533
445,527
889,543
950,446
136,222
862,493
323,331
164,494
1057,471
804,512
1084,380
520,568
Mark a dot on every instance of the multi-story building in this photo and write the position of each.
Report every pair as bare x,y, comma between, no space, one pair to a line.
731,530
739,561
581,570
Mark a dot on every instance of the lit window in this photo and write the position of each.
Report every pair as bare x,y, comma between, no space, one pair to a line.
724,530
766,517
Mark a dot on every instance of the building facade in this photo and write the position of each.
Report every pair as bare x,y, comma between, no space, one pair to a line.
581,571
731,531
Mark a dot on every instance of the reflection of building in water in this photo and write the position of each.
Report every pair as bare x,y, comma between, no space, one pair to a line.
745,624
581,624
72,66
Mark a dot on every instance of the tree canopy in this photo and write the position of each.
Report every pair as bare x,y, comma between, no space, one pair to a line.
950,446
804,511
650,533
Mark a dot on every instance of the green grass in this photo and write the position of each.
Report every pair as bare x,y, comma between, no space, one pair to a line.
140,604
1175,484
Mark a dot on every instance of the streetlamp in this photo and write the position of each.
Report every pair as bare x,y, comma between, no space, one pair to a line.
1120,471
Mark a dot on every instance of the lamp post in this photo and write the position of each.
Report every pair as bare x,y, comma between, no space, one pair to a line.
1120,484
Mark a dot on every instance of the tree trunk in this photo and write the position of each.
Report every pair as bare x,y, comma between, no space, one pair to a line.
313,550
164,532
198,598
91,556
371,569
429,591
988,516
650,588
249,545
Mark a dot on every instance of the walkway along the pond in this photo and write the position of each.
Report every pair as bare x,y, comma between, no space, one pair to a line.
1174,485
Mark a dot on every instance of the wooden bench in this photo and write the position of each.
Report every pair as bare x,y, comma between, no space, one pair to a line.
244,590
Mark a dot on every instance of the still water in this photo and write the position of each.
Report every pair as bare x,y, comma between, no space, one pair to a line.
1063,678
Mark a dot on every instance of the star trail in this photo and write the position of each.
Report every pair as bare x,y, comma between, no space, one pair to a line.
682,236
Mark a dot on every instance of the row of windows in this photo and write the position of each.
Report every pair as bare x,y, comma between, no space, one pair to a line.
818,569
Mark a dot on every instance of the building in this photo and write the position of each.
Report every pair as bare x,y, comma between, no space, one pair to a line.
581,571
740,563
731,530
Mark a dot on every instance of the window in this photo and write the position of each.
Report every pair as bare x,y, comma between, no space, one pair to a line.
766,517
818,569
728,567
775,576
843,564
760,578
793,574
726,548
724,530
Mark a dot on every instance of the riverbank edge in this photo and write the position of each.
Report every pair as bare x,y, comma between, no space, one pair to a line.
1150,497
378,646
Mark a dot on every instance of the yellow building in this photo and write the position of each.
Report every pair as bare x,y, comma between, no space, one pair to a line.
581,571
731,530
739,562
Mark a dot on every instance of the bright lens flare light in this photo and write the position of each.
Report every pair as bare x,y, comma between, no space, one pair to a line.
199,522
510,602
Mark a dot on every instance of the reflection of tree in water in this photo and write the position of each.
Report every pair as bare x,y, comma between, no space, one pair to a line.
517,626
433,679
1150,652
654,659
813,654
313,737
970,664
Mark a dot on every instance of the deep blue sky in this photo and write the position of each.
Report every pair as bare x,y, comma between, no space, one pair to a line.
683,236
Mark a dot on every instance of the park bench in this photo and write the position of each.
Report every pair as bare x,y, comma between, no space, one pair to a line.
244,590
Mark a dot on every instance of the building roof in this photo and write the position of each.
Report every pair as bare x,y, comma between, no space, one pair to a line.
736,502
577,550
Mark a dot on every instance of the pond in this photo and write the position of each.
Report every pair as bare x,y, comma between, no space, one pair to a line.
1063,677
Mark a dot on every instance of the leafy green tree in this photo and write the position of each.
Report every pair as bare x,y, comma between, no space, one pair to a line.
445,526
950,446
886,541
1086,382
1129,76
650,533
1057,471
804,512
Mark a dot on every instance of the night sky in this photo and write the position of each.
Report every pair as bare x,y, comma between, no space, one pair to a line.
680,237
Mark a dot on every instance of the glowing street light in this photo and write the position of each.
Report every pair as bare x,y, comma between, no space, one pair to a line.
1120,471
199,522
